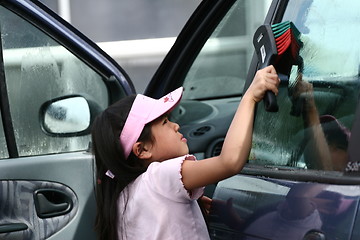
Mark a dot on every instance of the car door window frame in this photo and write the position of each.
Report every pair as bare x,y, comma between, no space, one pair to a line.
7,126
67,36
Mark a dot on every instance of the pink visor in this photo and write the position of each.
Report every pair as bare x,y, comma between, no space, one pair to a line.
143,111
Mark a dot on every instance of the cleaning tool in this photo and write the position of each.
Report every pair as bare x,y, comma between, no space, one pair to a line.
278,45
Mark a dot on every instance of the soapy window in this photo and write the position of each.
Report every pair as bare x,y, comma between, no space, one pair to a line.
317,105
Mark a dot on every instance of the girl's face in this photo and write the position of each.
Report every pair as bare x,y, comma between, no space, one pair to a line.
169,142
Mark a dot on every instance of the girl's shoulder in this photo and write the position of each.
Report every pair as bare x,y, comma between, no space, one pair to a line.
165,178
174,160
168,166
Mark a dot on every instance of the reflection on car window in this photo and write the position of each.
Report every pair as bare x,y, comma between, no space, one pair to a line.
313,126
220,68
38,70
244,207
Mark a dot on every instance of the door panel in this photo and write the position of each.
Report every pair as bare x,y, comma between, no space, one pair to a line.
70,174
55,206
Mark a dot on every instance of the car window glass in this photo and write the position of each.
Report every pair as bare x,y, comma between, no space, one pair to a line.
215,81
39,70
220,68
317,106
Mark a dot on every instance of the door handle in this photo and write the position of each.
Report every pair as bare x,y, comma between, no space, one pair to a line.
52,203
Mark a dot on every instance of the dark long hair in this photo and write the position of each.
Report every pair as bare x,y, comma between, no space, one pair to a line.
109,156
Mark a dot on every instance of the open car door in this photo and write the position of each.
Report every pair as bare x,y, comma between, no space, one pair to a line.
53,82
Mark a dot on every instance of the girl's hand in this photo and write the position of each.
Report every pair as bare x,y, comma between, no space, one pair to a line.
265,79
238,139
206,202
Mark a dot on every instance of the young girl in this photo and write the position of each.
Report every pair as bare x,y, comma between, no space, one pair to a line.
148,183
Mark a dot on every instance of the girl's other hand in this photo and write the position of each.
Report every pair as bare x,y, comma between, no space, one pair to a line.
206,202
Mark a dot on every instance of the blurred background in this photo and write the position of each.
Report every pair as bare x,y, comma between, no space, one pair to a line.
136,33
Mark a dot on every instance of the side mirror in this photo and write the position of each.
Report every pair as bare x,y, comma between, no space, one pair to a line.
67,116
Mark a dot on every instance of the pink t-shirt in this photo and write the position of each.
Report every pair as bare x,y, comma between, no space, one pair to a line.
159,207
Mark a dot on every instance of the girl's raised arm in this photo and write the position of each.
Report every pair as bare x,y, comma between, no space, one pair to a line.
238,139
